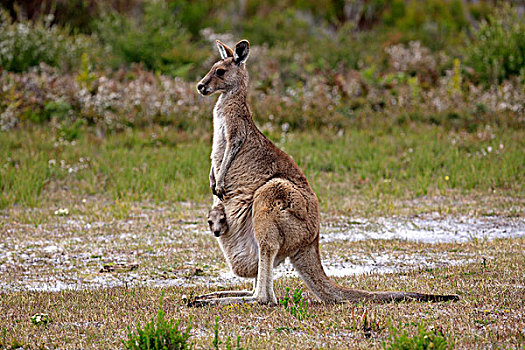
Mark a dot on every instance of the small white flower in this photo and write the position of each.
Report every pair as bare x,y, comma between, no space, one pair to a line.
62,212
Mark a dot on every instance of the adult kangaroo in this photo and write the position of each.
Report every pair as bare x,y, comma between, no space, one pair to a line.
271,210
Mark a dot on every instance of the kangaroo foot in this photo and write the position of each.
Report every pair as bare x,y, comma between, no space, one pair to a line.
224,294
227,301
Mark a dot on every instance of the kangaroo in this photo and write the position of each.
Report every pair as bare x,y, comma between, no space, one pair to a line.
271,210
219,226
217,220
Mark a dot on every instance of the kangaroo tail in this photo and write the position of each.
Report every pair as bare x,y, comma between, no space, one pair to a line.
307,262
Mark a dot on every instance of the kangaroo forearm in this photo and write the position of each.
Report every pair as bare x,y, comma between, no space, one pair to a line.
229,155
226,162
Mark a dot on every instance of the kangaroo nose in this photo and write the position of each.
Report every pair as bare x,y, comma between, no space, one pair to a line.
200,86
217,233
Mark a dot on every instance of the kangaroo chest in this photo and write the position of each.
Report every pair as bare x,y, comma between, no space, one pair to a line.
219,135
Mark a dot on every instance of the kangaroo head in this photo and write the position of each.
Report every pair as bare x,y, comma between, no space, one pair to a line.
217,220
228,74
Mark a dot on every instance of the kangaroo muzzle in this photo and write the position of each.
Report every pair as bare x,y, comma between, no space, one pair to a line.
203,88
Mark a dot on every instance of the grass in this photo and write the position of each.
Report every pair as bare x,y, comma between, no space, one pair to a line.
424,339
94,231
139,198
296,305
130,166
348,171
489,313
158,334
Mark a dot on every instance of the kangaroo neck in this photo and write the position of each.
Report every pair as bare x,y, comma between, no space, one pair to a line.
235,98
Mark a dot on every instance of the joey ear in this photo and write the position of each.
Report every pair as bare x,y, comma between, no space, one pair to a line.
224,50
242,51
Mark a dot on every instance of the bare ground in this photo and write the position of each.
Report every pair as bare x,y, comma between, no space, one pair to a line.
101,267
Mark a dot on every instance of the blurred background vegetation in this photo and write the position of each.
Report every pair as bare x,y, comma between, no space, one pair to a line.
373,98
329,63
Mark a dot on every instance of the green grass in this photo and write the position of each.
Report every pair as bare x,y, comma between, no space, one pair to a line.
170,242
297,305
424,339
158,334
408,163
132,166
346,171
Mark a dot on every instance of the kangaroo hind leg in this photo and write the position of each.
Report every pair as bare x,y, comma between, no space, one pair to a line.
281,228
268,206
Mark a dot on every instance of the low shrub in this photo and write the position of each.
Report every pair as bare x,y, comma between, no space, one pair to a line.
277,27
158,334
27,44
424,339
138,98
497,49
126,99
155,39
435,23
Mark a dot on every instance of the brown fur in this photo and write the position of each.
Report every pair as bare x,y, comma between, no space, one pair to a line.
271,209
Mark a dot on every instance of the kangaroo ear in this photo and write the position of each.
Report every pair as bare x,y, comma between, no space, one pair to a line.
224,50
242,51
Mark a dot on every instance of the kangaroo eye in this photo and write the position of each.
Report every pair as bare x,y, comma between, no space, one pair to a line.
223,220
220,72
210,222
